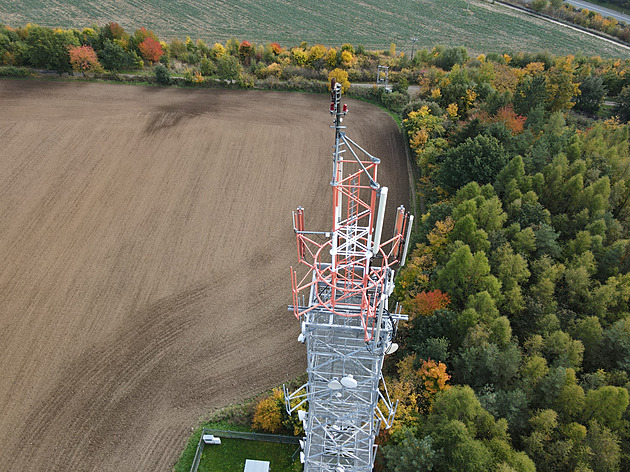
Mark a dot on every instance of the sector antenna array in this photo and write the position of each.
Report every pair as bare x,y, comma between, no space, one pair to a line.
340,296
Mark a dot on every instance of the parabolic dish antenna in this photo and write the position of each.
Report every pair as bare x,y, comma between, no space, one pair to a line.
349,382
392,348
334,384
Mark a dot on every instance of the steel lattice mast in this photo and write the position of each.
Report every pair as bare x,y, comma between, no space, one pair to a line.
341,301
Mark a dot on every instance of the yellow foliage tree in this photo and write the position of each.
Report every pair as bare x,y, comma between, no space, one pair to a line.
268,413
433,379
425,131
316,53
452,110
414,277
217,51
273,69
560,86
347,58
438,236
505,78
299,56
407,410
331,58
341,76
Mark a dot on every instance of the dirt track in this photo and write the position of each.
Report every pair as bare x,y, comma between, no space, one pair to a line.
145,240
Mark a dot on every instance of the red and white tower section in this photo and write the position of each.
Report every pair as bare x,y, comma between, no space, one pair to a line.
340,296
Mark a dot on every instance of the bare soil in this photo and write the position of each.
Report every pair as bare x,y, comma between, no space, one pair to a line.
145,245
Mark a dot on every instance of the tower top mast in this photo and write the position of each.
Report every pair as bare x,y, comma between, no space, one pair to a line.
341,302
352,271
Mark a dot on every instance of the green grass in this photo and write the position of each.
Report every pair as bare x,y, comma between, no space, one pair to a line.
231,454
485,28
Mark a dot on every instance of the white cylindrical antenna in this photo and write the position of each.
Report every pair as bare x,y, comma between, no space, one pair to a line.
407,237
398,228
382,201
379,319
391,284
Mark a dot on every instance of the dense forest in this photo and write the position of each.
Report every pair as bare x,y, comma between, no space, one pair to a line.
517,353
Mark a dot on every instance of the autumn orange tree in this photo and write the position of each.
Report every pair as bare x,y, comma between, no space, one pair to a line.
84,59
506,115
150,50
428,380
246,51
276,48
425,303
415,388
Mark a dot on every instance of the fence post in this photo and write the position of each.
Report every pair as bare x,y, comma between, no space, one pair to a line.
197,459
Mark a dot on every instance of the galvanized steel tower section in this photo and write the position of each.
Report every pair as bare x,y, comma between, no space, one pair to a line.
340,298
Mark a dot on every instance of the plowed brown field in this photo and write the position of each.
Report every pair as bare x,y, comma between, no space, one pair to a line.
145,245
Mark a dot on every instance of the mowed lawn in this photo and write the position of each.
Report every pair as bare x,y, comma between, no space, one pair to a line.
484,27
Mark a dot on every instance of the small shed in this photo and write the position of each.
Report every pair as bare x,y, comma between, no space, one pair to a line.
256,466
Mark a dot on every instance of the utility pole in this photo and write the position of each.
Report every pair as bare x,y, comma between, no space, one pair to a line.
414,40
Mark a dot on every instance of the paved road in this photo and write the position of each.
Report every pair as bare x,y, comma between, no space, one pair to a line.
601,10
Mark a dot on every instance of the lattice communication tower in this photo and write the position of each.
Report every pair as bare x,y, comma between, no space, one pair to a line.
341,300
